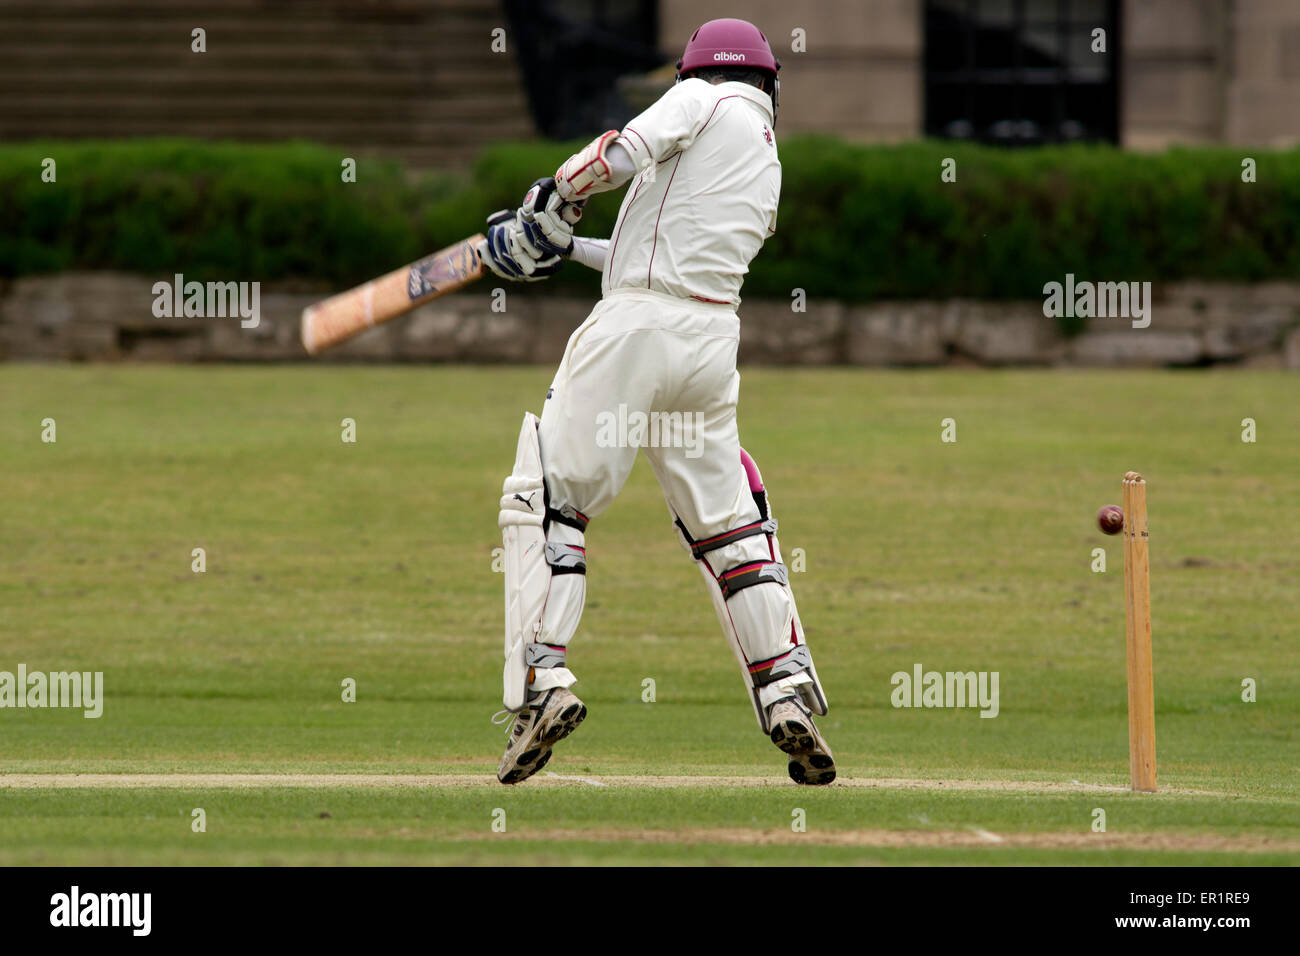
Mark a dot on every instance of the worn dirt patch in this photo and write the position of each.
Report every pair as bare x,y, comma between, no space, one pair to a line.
972,837
198,781
697,836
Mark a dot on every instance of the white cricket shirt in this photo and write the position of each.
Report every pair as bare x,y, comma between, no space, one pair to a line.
705,198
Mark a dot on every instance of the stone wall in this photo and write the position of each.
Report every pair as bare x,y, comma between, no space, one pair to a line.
103,316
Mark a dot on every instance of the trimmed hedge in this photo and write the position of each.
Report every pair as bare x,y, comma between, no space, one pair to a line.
877,222
210,210
856,222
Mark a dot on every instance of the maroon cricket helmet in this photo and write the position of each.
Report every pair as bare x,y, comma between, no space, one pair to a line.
730,42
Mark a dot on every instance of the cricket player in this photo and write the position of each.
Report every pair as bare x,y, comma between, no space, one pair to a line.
703,180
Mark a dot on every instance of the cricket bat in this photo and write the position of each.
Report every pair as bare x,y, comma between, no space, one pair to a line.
340,317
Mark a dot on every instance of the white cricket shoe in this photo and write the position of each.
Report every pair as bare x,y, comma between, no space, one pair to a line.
794,732
535,730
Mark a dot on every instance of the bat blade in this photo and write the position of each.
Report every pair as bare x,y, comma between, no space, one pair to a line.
334,320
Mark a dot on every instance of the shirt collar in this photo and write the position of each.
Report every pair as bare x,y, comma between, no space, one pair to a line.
751,93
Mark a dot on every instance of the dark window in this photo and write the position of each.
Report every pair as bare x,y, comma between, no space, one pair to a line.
572,53
1020,72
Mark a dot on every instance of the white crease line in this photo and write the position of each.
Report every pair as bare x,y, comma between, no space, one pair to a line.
594,783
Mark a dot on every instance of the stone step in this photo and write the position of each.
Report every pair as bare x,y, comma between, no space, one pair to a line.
415,79
367,136
390,57
344,111
297,8
21,85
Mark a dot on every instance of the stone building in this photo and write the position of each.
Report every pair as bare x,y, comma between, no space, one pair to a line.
434,81
1174,71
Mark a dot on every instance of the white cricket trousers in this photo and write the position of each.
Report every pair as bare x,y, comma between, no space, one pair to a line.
656,373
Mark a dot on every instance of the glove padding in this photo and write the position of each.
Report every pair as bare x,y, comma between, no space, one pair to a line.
548,220
508,252
587,171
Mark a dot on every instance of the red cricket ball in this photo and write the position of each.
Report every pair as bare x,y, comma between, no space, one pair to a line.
1110,519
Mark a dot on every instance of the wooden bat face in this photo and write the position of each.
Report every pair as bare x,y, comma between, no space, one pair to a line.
340,317
453,267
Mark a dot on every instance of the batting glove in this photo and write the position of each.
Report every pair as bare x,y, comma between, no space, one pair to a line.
548,220
507,251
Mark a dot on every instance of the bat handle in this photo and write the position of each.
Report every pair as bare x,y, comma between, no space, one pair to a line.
571,212
540,195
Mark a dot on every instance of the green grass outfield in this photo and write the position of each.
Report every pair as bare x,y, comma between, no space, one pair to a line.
373,561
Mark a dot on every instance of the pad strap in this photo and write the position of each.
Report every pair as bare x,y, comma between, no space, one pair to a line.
544,655
567,515
784,665
566,558
747,575
700,548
